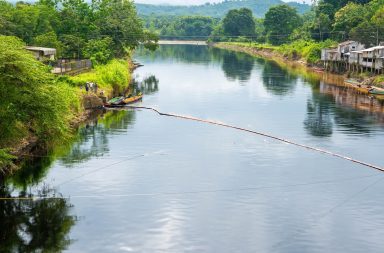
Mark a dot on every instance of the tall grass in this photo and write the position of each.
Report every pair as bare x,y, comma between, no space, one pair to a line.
113,77
310,51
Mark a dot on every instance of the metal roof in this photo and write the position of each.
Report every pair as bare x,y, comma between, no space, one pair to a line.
372,49
45,50
347,42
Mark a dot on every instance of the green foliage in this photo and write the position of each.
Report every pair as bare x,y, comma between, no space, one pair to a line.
48,40
349,17
280,21
190,27
112,77
216,10
69,24
310,51
6,159
99,51
239,23
33,101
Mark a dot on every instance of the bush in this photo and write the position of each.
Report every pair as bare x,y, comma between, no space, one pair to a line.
112,77
33,101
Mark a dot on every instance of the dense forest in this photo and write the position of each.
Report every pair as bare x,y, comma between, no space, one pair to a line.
37,106
360,20
103,29
215,10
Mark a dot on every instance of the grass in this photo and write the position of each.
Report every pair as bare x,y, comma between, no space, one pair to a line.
309,51
112,78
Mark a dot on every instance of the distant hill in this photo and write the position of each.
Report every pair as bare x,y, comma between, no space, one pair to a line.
259,8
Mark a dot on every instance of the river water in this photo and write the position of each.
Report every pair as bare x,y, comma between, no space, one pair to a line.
134,181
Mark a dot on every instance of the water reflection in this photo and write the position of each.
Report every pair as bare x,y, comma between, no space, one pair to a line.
94,137
149,85
276,79
180,53
237,66
319,115
34,225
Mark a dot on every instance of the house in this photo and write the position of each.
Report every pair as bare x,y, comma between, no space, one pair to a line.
329,54
372,58
346,47
342,52
42,53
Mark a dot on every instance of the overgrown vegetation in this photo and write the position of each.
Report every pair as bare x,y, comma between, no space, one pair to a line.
100,30
34,103
309,51
113,77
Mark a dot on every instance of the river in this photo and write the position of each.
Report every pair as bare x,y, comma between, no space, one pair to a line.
134,181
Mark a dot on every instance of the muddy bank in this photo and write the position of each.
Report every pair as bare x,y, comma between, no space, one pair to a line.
269,54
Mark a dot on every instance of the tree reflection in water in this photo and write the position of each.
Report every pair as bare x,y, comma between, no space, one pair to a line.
40,225
319,119
277,80
237,66
149,85
93,138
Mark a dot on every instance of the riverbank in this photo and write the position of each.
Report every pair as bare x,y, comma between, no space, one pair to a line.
112,78
308,60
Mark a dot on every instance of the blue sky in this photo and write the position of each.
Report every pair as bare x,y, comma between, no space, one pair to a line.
195,2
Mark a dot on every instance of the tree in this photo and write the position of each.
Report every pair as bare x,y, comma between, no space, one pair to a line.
239,23
366,33
48,40
118,20
99,51
349,17
279,23
32,100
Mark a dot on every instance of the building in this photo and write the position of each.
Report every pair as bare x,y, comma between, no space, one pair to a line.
338,59
42,53
370,59
344,49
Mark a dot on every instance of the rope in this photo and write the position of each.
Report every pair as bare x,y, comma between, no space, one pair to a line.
261,134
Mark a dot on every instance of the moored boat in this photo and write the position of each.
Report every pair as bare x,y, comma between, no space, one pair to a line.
121,101
130,100
376,91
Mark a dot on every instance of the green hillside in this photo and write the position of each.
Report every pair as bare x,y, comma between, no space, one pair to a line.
259,8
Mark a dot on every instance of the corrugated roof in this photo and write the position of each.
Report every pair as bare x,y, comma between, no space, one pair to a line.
45,50
372,49
347,42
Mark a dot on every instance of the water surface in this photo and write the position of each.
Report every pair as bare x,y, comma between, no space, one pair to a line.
137,182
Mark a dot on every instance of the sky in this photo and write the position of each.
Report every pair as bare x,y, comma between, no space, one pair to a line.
195,2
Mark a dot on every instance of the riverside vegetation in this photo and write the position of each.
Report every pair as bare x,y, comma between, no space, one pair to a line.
281,28
38,109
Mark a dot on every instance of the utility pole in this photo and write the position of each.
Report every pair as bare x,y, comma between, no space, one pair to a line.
377,36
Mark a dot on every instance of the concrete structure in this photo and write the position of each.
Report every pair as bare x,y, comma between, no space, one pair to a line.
42,53
370,59
352,56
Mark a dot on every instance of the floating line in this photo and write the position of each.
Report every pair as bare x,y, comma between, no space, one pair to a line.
261,134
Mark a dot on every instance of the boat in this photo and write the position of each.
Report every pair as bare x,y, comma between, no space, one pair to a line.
356,84
116,101
121,101
376,91
130,100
